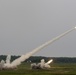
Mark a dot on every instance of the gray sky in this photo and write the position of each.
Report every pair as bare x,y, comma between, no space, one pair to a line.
26,24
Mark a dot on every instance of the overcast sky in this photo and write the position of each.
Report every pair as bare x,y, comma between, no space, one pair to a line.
26,24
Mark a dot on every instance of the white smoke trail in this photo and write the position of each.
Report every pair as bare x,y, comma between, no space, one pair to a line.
47,64
7,63
50,61
42,64
26,56
2,64
8,59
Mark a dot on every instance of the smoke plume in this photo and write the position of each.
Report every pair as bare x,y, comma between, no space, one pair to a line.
42,64
26,56
18,61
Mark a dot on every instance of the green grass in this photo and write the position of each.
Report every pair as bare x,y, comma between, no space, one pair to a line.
56,69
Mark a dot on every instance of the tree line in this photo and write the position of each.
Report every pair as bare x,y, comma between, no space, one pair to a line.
38,58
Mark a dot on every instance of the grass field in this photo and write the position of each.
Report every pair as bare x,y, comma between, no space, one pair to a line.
56,69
